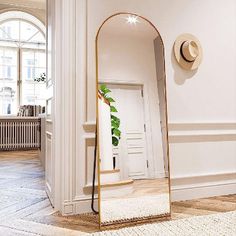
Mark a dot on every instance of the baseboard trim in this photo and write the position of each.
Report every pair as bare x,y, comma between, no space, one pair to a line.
195,187
79,206
156,174
183,188
203,192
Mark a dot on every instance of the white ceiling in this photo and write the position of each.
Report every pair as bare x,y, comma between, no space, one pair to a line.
118,26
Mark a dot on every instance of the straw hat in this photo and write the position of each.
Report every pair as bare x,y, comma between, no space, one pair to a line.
188,51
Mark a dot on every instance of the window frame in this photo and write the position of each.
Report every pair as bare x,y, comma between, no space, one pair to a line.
21,50
35,22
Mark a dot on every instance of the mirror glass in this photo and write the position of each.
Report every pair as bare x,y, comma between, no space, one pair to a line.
132,134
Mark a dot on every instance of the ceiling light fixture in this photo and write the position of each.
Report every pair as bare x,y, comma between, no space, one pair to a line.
133,20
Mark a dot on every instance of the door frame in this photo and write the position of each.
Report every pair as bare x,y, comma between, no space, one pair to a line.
147,121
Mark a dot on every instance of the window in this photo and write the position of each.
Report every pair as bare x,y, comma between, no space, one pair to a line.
22,60
33,65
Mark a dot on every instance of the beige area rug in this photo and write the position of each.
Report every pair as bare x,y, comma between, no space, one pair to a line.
223,224
28,228
135,207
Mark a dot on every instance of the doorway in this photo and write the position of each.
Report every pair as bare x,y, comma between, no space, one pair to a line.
23,98
133,144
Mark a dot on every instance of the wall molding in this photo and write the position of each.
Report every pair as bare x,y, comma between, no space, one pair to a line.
191,132
89,126
181,138
202,125
202,132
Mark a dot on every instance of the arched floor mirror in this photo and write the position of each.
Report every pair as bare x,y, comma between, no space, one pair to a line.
132,140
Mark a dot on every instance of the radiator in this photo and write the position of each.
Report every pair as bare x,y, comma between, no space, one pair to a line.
19,133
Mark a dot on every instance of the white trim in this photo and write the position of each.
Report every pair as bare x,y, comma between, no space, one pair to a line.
68,91
193,187
56,106
201,138
89,136
194,132
202,132
119,82
85,128
21,15
48,133
190,126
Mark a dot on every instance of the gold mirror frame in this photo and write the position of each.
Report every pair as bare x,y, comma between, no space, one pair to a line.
145,219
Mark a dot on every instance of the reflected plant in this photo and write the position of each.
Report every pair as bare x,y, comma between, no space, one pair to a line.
115,121
41,78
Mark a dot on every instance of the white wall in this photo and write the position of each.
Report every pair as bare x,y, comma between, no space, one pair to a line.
216,32
126,59
205,96
201,105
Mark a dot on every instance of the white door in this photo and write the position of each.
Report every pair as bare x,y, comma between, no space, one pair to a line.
131,152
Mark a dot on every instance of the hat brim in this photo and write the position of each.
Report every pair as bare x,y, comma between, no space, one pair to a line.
177,51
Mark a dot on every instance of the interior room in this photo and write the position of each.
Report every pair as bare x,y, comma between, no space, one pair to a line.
117,117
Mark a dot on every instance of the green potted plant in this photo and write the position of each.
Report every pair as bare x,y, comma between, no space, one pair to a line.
115,121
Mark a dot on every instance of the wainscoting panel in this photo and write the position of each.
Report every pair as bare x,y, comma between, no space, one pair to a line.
49,167
90,144
203,159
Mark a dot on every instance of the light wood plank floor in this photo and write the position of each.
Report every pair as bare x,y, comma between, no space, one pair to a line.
26,210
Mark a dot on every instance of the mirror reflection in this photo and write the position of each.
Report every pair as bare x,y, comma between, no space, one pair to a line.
132,132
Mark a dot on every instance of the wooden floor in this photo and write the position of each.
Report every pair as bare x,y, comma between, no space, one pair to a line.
26,210
150,186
